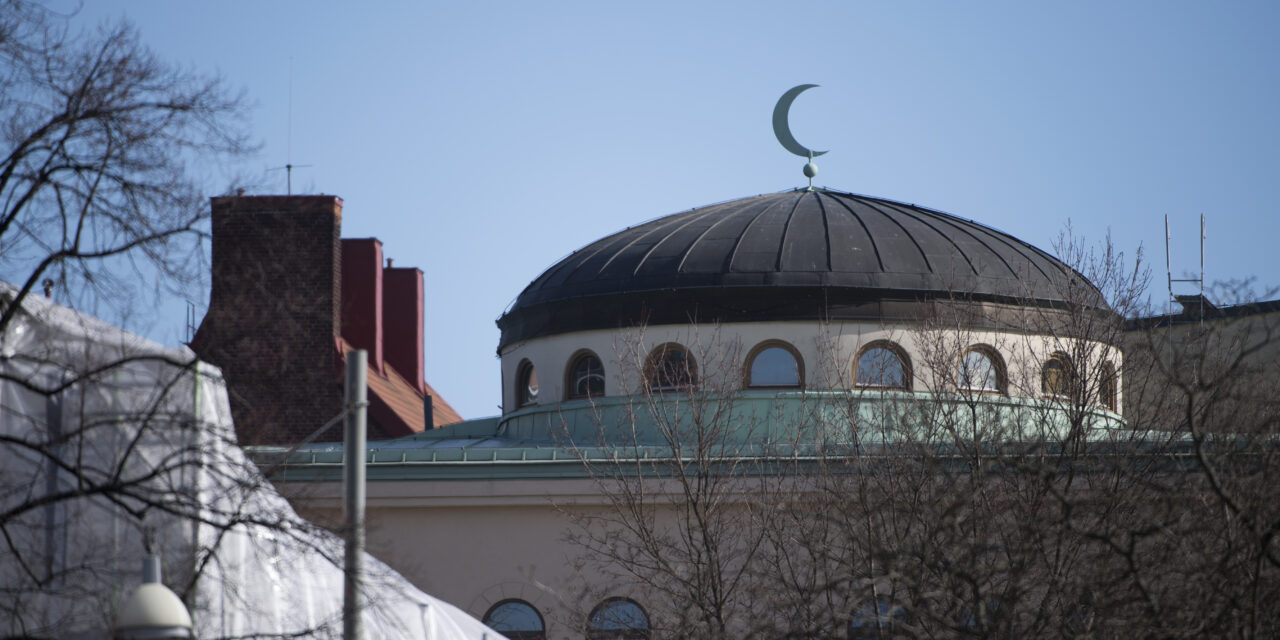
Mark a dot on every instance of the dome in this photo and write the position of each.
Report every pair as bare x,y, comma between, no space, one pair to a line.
153,611
794,255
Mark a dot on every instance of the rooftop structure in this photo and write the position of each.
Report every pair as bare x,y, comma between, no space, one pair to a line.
290,298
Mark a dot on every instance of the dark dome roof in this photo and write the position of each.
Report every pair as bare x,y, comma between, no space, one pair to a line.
758,258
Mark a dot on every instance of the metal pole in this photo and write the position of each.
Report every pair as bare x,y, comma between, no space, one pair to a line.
151,568
1202,270
1168,262
353,459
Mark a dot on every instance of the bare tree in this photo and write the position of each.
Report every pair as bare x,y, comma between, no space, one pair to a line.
961,524
1209,535
682,485
1001,497
98,195
109,443
1051,518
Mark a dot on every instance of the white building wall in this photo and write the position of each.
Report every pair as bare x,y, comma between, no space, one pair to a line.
828,352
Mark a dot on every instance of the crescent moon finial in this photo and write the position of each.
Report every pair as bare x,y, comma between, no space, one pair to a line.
782,129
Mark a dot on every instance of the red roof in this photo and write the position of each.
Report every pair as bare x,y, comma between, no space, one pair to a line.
395,404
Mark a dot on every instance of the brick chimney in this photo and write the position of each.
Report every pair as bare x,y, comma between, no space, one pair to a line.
402,322
362,297
274,312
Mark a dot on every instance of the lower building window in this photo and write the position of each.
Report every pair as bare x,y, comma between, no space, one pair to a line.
516,619
878,620
618,619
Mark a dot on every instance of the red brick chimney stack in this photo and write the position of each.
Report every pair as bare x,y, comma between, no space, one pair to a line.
287,293
273,312
362,297
402,317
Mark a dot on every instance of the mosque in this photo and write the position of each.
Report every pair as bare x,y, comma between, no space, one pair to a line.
756,338
759,320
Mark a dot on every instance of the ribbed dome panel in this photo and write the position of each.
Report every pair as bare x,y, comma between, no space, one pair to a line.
840,243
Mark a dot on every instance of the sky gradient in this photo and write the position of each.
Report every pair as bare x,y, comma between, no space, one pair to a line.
483,141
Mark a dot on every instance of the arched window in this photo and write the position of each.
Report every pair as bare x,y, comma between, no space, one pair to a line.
517,620
882,365
1108,391
586,376
775,364
671,367
877,620
980,370
526,384
617,619
1055,377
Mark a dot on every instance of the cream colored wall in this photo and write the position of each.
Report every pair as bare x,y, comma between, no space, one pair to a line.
1238,356
828,352
476,543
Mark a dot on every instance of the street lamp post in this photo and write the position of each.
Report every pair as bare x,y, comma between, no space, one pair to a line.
153,612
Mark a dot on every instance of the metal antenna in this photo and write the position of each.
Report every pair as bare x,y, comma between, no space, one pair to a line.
288,140
1202,269
288,164
191,321
1168,269
288,172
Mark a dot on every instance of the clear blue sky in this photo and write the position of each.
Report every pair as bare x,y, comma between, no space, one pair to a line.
483,141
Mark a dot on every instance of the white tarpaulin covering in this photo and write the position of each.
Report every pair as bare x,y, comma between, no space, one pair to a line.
107,440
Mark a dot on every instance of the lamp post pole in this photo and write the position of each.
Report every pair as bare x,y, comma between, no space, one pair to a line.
353,476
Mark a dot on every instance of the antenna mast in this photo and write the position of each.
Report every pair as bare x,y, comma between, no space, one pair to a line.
288,164
1168,269
191,321
288,144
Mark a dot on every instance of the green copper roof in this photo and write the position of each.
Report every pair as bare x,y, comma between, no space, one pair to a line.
554,441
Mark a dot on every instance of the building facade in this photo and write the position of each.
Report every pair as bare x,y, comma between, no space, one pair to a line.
713,356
